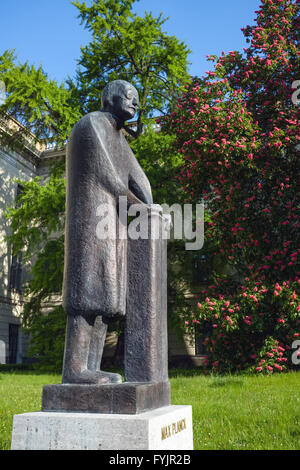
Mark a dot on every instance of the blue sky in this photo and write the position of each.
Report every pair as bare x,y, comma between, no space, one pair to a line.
48,32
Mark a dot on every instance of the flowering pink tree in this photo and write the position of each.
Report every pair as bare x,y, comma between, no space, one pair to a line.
237,130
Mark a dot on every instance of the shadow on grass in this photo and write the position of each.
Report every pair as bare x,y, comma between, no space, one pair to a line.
225,381
213,380
186,373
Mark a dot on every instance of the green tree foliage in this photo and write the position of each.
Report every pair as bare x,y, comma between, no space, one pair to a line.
38,213
129,47
43,109
41,105
37,224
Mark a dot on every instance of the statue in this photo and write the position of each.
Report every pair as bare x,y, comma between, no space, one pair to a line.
106,278
100,168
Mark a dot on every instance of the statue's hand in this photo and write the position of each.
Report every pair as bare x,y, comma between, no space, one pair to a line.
112,318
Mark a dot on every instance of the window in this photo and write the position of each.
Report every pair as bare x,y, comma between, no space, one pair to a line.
200,334
13,336
19,191
15,277
201,268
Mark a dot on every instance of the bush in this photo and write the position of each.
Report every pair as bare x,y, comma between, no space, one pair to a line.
238,131
246,333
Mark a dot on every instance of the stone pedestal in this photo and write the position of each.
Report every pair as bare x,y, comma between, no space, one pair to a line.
165,428
125,398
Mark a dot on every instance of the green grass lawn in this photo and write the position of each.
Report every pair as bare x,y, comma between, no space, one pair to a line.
230,412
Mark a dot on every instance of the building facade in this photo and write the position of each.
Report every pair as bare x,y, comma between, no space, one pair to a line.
33,160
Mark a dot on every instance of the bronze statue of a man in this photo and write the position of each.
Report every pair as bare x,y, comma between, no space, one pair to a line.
100,167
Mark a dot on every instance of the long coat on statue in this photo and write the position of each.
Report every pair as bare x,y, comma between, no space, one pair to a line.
100,167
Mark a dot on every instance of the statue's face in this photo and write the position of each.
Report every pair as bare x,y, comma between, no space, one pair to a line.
126,102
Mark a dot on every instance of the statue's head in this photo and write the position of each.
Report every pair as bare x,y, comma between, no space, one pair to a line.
121,99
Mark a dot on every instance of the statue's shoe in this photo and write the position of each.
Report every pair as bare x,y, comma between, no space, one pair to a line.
86,377
112,377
